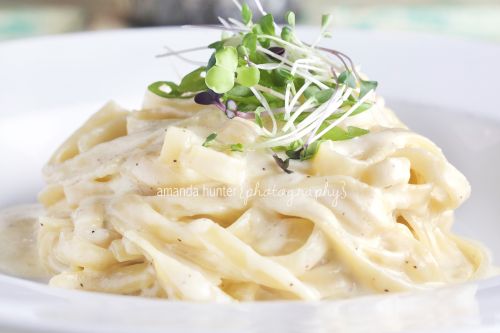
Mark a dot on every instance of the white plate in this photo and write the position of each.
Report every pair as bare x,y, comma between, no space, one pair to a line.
441,87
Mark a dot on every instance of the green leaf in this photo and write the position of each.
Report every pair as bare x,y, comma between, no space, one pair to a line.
237,147
258,58
293,154
295,145
356,131
227,58
264,42
220,79
366,86
248,76
219,45
267,80
209,139
310,151
335,134
286,34
281,77
267,24
243,51
250,42
293,151
258,119
241,61
211,62
243,94
290,18
299,82
166,89
348,78
327,34
246,13
311,91
326,19
193,81
323,96
277,149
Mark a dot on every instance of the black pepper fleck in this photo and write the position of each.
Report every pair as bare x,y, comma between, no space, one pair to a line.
41,224
175,160
179,240
386,290
137,164
81,284
92,231
415,267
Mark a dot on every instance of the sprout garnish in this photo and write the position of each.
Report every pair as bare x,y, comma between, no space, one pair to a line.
262,71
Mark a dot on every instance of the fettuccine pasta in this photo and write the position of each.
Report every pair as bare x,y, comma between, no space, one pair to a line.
137,205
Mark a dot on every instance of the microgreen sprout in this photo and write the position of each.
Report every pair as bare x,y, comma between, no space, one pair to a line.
237,147
263,71
209,139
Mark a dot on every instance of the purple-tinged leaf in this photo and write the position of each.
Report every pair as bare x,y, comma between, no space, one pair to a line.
277,50
282,164
210,97
294,154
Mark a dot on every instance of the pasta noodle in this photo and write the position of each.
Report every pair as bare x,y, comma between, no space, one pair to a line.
136,205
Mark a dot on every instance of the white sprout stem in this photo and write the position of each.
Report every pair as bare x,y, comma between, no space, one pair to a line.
238,23
237,4
299,62
317,69
338,121
272,65
266,106
296,97
297,113
281,140
296,47
331,106
189,61
224,23
282,110
318,38
260,8
182,51
268,66
294,69
287,99
307,76
269,91
299,133
319,111
312,117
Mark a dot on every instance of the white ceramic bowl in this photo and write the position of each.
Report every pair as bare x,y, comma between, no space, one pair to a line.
443,88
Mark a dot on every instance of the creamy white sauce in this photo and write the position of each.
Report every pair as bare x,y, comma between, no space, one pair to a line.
18,235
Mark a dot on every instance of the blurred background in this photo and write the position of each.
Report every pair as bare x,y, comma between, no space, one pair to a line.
477,19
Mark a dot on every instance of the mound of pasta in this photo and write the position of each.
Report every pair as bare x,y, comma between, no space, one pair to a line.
138,204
